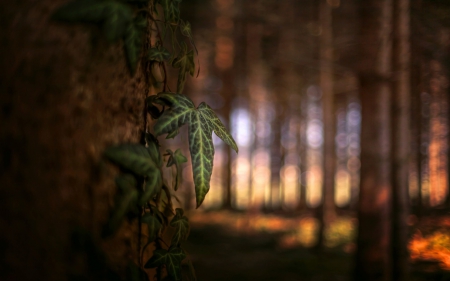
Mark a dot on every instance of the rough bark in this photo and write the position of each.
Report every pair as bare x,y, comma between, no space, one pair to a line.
374,70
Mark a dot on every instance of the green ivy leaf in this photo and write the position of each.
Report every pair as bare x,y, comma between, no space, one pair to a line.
113,16
176,158
153,148
116,23
202,122
158,54
185,29
137,159
88,11
185,62
133,42
133,157
171,10
170,258
181,225
125,201
153,224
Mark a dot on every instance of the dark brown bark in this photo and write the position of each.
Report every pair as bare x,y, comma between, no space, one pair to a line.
65,95
374,71
401,141
327,209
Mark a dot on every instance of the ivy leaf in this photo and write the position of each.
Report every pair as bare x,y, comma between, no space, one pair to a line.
153,148
133,157
87,11
171,10
115,25
176,158
181,225
126,201
137,159
170,258
153,224
181,107
158,54
158,258
113,16
133,42
152,187
202,122
185,62
185,29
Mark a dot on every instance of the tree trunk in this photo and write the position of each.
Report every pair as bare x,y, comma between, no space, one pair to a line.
374,70
327,209
65,96
400,142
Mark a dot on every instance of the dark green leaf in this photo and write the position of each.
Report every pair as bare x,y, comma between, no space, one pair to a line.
173,118
117,21
173,262
133,42
154,226
158,54
153,186
153,148
114,16
89,11
158,258
171,10
185,28
181,225
137,159
185,62
176,159
133,157
124,203
202,122
171,259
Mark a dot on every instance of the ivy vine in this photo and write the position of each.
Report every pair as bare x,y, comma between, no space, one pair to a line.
142,190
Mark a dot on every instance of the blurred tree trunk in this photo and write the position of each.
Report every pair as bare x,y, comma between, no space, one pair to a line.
400,137
374,71
327,209
65,96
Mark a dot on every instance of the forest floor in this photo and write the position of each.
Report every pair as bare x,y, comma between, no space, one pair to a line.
240,246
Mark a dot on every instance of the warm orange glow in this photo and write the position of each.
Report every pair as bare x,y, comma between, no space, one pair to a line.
342,188
434,247
314,186
289,178
299,231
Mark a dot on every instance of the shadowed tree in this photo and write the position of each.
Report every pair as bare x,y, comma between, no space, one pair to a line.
374,73
401,140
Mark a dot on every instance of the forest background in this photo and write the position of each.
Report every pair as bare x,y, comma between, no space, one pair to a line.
339,109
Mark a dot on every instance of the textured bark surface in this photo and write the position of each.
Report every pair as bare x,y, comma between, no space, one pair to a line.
65,95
